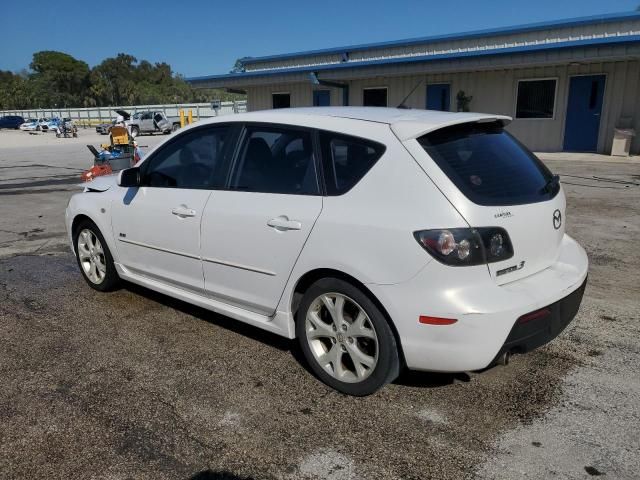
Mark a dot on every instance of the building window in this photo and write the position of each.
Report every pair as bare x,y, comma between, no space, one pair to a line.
536,98
374,97
281,100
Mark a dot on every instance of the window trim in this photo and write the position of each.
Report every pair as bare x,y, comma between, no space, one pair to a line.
280,93
326,167
555,98
384,87
455,179
232,140
243,128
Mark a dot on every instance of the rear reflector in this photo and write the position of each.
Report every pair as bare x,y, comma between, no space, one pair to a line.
543,312
436,320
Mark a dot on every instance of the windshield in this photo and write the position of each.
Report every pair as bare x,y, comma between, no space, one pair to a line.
489,165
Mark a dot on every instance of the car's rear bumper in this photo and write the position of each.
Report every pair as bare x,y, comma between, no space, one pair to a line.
539,327
486,314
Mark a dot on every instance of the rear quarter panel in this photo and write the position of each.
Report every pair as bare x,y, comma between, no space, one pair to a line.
530,226
368,231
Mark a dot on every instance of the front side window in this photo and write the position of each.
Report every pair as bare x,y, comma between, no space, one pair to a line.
192,160
536,98
346,160
276,160
489,166
281,100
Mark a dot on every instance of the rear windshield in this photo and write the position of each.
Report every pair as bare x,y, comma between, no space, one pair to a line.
489,165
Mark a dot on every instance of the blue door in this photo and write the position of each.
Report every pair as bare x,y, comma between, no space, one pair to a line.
321,98
438,97
583,113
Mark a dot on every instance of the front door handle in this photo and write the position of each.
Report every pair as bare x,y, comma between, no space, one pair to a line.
282,223
183,212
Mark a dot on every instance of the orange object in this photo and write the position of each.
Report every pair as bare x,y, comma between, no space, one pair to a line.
96,171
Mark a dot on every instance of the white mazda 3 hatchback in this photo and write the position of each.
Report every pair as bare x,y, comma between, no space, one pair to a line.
379,238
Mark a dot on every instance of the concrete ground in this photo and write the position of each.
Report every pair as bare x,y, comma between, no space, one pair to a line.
133,384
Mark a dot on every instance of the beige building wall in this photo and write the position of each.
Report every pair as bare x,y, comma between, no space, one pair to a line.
494,91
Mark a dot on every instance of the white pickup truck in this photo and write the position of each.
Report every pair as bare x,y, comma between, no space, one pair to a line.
149,122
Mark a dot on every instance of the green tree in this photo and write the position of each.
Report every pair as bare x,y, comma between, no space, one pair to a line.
59,79
15,91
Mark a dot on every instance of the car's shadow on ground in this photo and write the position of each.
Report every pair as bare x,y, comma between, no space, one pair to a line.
406,378
409,378
236,326
217,475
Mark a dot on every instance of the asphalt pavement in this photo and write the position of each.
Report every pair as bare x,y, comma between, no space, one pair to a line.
136,385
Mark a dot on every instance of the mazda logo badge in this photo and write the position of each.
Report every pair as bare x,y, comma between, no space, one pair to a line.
557,219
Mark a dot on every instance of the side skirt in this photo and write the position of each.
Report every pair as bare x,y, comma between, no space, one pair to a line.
281,323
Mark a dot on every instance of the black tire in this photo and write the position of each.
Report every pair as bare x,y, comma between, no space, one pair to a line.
174,127
111,279
135,132
387,367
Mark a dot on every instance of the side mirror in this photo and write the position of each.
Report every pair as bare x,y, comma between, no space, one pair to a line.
129,177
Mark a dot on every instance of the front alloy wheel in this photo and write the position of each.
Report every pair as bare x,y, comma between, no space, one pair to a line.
94,258
91,257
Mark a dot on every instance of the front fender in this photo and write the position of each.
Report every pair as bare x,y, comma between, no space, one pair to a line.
97,207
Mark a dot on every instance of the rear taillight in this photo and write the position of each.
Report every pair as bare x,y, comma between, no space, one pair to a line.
466,246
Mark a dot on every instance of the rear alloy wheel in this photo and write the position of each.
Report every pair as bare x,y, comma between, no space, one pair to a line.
346,339
175,127
94,258
135,132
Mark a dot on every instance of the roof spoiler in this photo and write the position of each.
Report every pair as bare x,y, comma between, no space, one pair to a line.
410,129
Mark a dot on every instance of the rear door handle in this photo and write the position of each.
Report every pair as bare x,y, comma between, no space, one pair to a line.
183,212
283,223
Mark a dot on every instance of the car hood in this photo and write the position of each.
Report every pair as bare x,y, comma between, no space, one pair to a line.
100,184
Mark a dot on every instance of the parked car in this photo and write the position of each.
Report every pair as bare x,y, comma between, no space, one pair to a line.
379,238
105,128
54,124
34,124
27,123
11,121
149,122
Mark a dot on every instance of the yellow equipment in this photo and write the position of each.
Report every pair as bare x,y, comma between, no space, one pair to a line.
119,136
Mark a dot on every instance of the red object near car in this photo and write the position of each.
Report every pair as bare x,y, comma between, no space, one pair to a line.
96,171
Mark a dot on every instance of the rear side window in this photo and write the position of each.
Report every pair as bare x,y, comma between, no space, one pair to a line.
276,160
346,160
489,165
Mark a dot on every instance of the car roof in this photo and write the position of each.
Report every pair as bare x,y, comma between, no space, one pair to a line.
405,123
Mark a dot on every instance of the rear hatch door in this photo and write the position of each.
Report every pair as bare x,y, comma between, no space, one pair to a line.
494,181
124,114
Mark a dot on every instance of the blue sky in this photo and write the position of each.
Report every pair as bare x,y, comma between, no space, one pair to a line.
205,37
